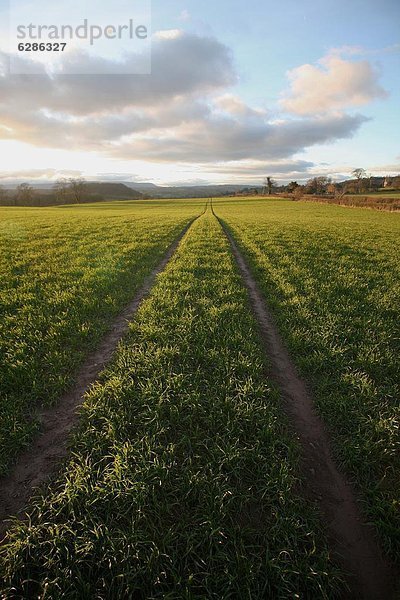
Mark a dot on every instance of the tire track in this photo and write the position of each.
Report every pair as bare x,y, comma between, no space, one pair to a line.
371,576
41,460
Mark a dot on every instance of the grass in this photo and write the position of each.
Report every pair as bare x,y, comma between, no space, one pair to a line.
331,277
64,273
183,478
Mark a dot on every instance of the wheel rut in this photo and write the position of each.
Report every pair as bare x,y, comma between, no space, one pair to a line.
41,460
353,541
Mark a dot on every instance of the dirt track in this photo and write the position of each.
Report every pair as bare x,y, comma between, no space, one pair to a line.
37,464
352,539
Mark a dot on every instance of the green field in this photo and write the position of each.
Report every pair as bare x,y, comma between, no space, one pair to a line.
184,477
332,278
64,273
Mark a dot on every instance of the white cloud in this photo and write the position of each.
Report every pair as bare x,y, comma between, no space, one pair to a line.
333,84
168,34
235,106
388,169
37,174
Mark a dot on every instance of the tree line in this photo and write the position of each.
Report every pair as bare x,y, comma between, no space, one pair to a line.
363,183
65,191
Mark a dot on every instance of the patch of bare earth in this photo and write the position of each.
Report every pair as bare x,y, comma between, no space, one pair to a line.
38,463
371,576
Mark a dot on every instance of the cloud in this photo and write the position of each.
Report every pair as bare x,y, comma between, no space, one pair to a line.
181,65
221,137
388,169
254,171
333,84
168,34
184,112
36,174
235,106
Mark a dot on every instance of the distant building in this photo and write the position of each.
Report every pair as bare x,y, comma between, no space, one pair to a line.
387,182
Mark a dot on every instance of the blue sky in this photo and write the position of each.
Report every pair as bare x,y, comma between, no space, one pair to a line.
291,88
269,38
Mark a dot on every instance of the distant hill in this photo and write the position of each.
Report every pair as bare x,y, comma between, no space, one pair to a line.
113,191
118,189
187,191
44,194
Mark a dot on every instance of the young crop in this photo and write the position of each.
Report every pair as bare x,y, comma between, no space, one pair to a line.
331,276
64,273
182,481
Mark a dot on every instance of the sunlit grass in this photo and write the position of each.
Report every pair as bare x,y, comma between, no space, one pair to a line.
64,273
183,479
332,279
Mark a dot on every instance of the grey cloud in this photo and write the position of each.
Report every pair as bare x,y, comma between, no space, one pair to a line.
231,140
284,168
84,112
184,65
60,130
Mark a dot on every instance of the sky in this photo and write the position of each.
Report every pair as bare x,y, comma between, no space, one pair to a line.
237,91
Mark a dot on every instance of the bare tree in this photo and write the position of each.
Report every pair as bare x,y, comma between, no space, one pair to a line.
317,185
77,186
3,194
269,184
359,174
25,194
61,189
